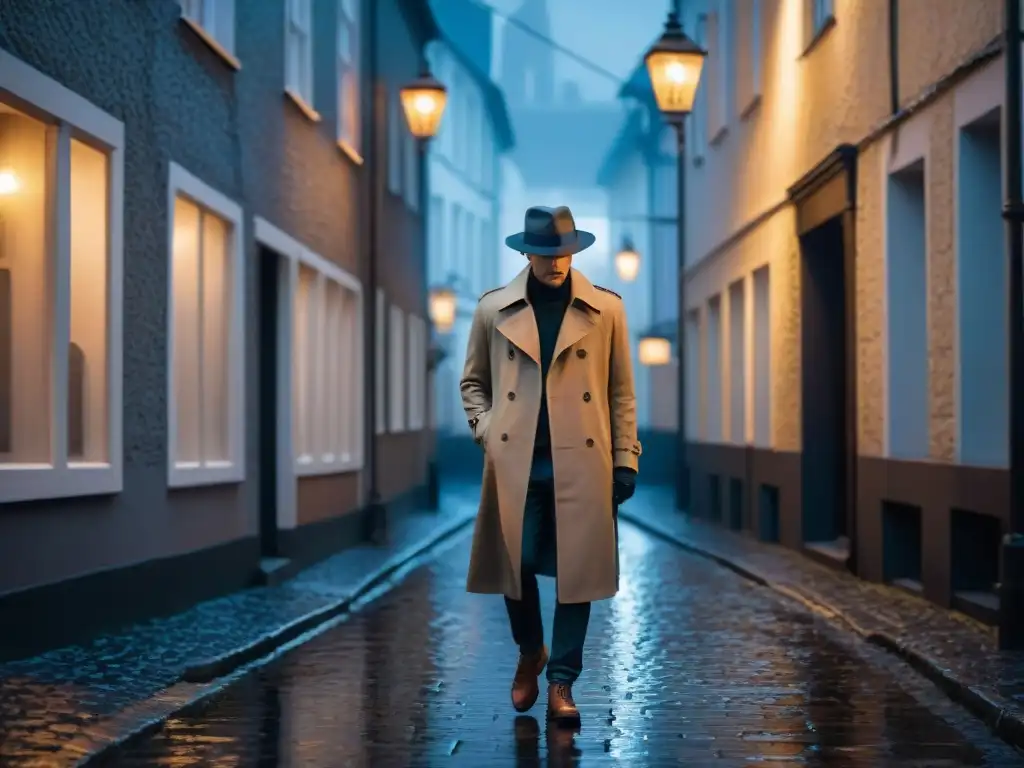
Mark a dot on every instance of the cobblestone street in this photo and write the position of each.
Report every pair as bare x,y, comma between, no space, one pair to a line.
690,665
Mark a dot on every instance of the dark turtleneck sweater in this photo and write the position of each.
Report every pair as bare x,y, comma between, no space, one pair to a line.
549,305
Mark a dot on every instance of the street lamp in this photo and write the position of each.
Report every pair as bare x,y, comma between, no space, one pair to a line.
674,64
442,308
627,261
423,101
654,350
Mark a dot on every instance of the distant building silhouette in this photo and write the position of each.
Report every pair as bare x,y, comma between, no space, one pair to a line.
528,66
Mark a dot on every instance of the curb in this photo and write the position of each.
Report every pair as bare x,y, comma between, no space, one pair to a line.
199,682
1008,726
219,666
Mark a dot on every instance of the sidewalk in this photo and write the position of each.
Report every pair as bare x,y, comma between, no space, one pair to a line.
65,705
957,653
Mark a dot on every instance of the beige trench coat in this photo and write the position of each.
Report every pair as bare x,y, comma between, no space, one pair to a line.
592,411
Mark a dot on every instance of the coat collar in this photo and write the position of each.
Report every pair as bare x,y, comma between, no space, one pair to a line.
518,324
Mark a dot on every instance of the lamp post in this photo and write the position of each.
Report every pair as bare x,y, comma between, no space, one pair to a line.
1011,577
627,261
674,64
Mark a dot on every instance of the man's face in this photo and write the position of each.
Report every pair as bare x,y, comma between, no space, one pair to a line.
551,271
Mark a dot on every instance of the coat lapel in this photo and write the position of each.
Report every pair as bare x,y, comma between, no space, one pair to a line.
581,316
520,327
517,323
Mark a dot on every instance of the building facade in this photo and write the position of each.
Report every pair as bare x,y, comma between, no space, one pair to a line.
189,410
846,316
465,186
640,175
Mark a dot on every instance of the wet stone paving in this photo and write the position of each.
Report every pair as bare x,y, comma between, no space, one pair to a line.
689,665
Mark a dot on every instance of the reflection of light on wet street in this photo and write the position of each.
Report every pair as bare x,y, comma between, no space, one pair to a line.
689,665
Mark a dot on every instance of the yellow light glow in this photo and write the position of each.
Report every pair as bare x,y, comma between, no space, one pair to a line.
675,77
654,350
627,264
9,182
423,103
442,309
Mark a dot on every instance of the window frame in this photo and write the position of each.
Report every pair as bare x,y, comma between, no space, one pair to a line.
306,465
411,172
395,146
398,345
380,358
216,28
296,91
352,22
29,90
416,374
182,182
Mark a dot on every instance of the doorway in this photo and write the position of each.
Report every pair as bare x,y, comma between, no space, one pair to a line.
825,391
269,270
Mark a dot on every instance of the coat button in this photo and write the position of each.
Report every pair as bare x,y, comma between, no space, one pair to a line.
504,437
590,442
586,397
581,353
511,354
511,395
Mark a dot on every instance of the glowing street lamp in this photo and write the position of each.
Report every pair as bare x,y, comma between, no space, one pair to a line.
442,308
9,182
654,351
423,101
674,64
627,261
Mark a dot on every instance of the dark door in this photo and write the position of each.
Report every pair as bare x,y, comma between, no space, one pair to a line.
269,271
825,382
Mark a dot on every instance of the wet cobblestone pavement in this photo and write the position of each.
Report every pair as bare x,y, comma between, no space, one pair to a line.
47,701
961,650
690,665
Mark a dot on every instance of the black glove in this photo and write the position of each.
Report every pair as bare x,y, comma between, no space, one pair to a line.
623,484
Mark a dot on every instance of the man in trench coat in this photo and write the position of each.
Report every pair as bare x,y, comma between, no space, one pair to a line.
548,391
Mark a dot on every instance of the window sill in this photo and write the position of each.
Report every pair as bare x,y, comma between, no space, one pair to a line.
818,36
37,482
304,106
211,42
349,151
307,466
188,475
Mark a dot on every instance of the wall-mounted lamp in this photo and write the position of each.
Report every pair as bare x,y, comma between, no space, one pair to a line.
627,261
654,350
442,308
423,101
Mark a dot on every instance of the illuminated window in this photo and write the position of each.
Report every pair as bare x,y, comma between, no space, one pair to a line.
60,292
206,363
326,370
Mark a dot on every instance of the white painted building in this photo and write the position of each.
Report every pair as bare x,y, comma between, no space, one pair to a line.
465,201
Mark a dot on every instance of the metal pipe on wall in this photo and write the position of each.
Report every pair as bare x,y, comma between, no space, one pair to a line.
1011,581
376,514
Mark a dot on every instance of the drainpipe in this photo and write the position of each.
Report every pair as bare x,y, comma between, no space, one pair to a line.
375,519
1011,579
894,56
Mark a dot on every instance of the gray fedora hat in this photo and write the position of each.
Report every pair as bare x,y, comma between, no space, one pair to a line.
550,232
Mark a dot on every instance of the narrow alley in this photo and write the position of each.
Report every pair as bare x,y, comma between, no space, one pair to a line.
689,665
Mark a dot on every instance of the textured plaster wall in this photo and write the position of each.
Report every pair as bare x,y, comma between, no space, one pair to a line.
811,101
178,102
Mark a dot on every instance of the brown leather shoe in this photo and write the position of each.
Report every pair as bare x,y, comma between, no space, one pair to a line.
561,706
525,688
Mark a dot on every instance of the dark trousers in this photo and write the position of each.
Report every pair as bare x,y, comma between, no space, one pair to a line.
540,557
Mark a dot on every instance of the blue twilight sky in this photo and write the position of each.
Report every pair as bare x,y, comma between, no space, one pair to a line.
611,33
